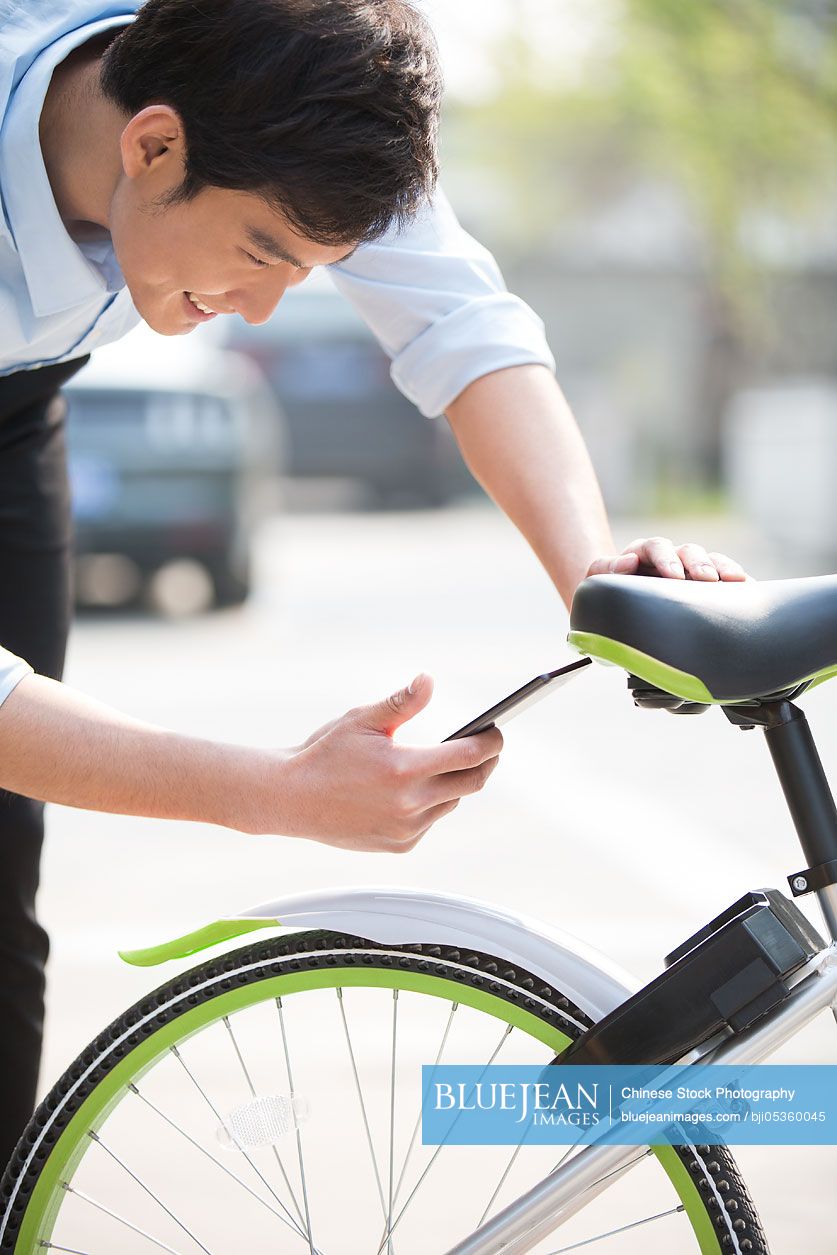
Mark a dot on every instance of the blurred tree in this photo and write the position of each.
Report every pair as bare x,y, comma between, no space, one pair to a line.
734,99
734,102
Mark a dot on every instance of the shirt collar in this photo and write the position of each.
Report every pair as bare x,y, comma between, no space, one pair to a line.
58,275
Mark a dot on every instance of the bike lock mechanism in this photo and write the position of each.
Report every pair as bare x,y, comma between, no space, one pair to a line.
722,979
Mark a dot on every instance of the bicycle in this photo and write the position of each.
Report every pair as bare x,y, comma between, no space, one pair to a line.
195,1096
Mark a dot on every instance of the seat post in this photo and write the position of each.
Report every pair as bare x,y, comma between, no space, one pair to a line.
803,781
809,800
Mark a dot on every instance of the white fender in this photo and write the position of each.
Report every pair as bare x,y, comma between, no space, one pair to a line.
392,915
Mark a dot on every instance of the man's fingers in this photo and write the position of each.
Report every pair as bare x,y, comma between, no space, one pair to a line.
433,813
459,755
697,563
618,564
701,565
456,784
388,715
421,824
658,553
728,568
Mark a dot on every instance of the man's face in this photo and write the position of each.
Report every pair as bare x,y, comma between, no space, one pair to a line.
229,250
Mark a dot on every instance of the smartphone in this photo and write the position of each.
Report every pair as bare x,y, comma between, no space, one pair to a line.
520,699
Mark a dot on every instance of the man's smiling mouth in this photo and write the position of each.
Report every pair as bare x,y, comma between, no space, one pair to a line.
200,305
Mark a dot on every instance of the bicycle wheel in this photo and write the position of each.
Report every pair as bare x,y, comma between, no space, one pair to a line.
167,1132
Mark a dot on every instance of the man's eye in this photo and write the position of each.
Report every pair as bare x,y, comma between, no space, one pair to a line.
257,260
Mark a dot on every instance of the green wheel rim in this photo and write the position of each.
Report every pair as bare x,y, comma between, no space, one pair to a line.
42,1208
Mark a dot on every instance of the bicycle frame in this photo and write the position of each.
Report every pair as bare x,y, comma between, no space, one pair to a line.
532,1216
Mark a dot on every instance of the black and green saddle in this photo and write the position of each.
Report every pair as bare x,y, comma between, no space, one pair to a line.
721,642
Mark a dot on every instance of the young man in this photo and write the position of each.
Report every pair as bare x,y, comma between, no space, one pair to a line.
192,160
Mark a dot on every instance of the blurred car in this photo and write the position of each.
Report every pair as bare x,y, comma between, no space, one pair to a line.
345,416
175,447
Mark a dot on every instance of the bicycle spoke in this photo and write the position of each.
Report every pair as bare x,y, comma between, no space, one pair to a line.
276,1155
148,1190
254,1166
504,1038
291,1224
572,1146
392,1117
509,1167
615,1172
417,1126
339,992
69,1250
298,1134
115,1216
583,1196
636,1224
502,1180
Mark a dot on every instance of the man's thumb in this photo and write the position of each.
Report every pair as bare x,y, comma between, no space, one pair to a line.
389,714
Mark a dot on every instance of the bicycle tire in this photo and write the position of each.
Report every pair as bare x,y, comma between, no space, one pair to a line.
722,1217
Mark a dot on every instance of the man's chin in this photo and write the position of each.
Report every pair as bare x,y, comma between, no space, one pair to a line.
173,331
165,323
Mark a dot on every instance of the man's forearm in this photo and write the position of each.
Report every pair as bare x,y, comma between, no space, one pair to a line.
58,745
350,784
521,442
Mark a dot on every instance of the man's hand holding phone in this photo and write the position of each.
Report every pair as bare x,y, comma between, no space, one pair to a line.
351,785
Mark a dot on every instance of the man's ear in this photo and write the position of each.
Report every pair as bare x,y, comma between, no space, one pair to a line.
153,143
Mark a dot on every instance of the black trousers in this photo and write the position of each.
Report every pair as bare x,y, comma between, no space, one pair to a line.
35,607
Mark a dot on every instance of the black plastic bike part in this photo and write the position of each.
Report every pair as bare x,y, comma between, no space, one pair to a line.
811,878
649,697
789,916
803,782
742,640
517,701
725,977
764,712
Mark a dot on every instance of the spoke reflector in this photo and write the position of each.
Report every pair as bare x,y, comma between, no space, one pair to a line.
262,1122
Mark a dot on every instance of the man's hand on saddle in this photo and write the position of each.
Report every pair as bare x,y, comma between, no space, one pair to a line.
657,555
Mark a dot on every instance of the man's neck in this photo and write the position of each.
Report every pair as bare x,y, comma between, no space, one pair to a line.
79,134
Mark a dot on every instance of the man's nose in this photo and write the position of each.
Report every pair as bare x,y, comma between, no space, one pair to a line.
258,303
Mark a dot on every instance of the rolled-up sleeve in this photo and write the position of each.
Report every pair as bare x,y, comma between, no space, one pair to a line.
436,301
12,671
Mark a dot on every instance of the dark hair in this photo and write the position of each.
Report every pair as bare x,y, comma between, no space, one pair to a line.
326,108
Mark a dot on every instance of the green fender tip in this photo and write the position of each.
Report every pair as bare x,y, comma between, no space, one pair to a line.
191,943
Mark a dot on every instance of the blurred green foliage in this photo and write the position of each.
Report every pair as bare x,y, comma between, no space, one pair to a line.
734,101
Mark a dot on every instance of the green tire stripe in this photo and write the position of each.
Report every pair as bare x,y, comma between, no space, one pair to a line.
42,1208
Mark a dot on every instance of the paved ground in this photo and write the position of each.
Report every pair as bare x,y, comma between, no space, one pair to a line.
627,828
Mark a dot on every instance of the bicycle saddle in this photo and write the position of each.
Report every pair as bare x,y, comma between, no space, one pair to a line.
718,642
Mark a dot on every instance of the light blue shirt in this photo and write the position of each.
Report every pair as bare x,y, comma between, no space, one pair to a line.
431,294
58,299
12,671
